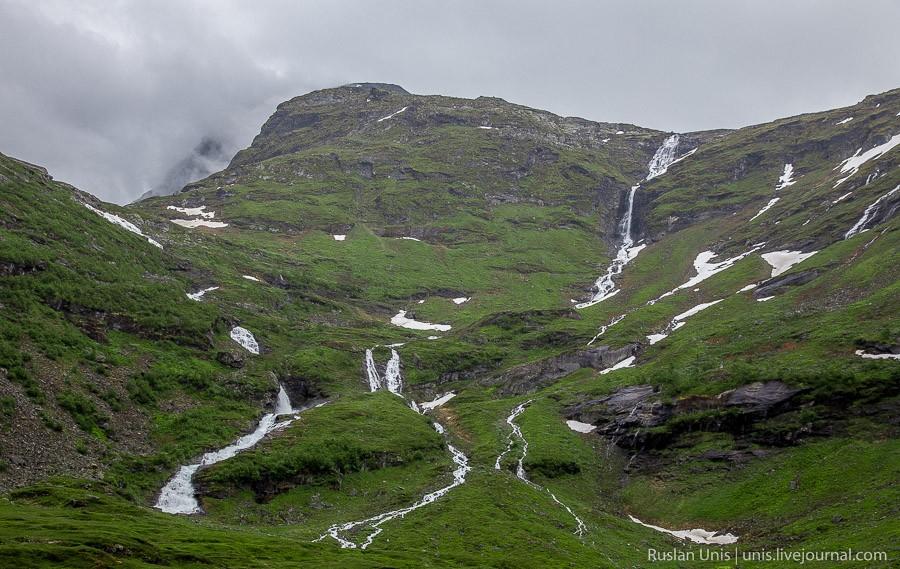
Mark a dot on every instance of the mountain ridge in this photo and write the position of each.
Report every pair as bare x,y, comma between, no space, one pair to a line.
394,260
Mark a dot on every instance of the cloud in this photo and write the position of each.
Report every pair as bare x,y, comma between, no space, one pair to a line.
110,95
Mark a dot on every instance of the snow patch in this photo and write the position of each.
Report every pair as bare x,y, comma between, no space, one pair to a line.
842,198
196,296
461,299
764,299
243,337
781,261
627,362
251,278
851,165
750,286
845,121
787,178
863,354
194,223
194,211
695,535
437,402
580,427
339,237
401,320
123,223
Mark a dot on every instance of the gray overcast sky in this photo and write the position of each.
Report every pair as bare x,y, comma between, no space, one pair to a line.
109,94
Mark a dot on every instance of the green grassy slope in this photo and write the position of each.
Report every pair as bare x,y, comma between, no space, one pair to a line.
520,218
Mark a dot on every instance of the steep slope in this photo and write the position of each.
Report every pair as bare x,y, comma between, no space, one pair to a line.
415,259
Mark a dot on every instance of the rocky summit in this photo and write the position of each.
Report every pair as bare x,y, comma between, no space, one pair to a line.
422,331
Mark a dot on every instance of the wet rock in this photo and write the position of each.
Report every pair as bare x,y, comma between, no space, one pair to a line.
759,397
231,358
779,285
532,376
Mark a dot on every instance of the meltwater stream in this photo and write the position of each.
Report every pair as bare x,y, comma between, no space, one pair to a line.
516,431
605,286
178,495
372,526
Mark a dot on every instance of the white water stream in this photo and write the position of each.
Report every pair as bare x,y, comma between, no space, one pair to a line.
516,431
393,381
178,495
605,286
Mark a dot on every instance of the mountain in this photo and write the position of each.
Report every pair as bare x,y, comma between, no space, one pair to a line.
207,157
406,330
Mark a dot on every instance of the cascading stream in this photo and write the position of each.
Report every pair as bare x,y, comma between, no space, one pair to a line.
393,382
178,496
516,431
605,286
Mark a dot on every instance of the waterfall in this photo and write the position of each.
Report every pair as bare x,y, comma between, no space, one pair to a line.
392,374
178,496
372,372
283,403
605,286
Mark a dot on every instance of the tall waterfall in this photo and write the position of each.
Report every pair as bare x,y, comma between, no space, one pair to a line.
605,286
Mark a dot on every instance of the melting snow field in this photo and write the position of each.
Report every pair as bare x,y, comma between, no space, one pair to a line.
178,495
199,294
765,208
194,211
401,320
125,224
580,427
194,223
705,269
437,402
243,337
863,354
868,214
695,535
787,178
851,165
580,528
627,362
781,261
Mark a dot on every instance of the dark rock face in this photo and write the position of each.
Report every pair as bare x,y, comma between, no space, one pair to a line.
630,415
758,397
530,377
778,285
232,359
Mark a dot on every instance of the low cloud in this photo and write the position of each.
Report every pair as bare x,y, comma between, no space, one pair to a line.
110,96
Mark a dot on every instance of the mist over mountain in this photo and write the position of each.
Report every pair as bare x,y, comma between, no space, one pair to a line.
207,157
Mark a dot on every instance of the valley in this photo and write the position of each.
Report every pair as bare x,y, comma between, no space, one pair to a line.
423,331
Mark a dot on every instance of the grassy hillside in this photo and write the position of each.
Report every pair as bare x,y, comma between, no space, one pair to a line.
754,416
